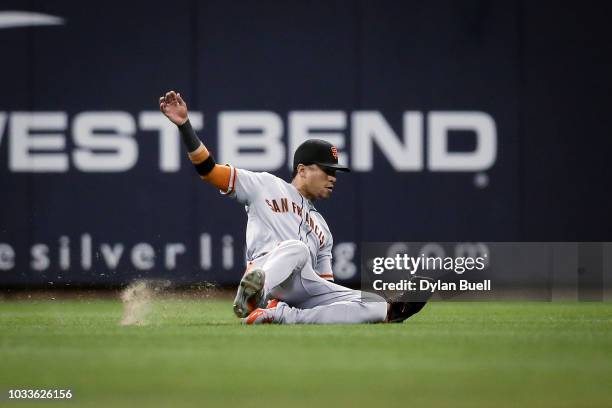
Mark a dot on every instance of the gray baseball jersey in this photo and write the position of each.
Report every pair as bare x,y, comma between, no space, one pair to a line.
277,212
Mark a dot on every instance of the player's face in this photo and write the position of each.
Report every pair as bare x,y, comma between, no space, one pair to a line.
320,181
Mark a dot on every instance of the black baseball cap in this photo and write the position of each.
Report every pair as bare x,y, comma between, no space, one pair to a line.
319,152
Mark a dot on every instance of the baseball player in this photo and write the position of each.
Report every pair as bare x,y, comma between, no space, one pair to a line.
289,277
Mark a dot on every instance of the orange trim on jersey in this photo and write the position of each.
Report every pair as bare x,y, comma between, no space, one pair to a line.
233,181
327,276
199,155
219,177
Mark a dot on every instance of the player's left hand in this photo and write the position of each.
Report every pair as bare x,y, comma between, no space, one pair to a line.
174,107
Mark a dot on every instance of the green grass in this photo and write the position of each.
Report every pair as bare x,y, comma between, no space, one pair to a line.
194,353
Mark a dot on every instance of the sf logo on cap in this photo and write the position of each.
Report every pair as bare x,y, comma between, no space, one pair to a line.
334,152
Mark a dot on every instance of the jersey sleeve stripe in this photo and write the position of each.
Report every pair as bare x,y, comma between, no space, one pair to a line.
231,181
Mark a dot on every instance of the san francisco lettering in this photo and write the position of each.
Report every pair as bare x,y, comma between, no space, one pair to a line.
281,206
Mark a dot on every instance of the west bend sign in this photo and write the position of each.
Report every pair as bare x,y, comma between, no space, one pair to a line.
108,141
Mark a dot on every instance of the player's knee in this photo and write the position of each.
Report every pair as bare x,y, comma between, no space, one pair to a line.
298,249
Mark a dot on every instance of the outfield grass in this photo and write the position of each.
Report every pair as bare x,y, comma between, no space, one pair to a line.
194,353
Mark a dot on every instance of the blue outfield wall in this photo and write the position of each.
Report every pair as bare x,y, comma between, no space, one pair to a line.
463,121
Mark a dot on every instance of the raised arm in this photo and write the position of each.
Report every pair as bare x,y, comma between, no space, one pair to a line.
175,109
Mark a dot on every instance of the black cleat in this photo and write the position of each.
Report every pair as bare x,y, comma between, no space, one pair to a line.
250,293
400,311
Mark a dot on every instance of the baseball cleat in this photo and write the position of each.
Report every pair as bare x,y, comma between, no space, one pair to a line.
262,316
400,311
250,293
272,303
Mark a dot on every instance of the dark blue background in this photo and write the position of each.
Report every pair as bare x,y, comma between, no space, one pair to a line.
540,69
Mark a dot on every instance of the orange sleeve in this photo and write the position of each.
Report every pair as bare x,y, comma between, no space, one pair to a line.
219,176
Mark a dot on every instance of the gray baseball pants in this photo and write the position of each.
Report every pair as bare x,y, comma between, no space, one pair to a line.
291,278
